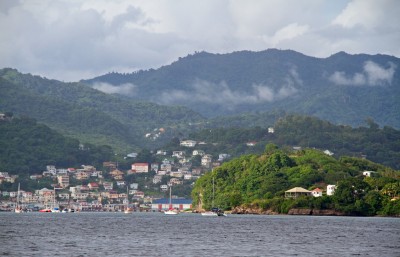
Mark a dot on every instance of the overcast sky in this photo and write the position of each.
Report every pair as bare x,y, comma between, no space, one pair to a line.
71,40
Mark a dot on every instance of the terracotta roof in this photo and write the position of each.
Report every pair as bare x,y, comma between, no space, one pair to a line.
317,190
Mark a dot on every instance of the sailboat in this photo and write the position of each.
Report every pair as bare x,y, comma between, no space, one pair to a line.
54,208
171,211
127,208
18,208
214,210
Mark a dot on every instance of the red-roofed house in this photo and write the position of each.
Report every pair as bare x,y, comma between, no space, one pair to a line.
93,185
140,167
316,192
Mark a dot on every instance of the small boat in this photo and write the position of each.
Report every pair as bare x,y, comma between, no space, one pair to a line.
216,212
171,212
45,210
128,210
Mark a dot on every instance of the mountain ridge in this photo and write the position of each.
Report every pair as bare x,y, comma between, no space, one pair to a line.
244,81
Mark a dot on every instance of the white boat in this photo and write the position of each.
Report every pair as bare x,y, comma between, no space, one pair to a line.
214,212
209,213
171,211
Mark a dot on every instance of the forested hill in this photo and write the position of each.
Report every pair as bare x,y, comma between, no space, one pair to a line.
381,145
260,182
27,147
85,113
343,88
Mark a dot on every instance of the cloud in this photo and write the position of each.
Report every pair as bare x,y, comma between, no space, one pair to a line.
377,75
372,75
123,89
74,40
205,92
289,32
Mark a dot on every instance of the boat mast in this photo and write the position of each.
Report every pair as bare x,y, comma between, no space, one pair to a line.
18,196
170,197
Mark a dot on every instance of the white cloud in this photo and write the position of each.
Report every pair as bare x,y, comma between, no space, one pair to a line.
123,89
205,92
373,75
289,32
73,40
378,75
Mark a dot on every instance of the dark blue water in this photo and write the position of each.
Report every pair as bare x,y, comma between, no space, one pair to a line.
156,234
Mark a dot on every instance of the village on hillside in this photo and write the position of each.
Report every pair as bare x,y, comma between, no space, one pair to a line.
89,188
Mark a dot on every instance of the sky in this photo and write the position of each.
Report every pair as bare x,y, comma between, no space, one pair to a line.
70,40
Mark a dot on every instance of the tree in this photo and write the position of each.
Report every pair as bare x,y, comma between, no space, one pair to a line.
349,196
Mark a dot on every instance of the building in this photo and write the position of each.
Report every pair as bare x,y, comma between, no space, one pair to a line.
188,143
140,167
108,185
63,180
330,189
198,152
297,192
368,173
316,192
206,161
178,154
163,204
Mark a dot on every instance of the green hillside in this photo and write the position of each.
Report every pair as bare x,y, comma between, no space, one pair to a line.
27,147
88,114
381,145
260,181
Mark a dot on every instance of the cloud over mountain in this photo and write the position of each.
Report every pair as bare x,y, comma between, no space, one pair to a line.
372,75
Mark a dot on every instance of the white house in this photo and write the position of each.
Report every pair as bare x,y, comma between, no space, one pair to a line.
188,143
198,152
164,187
316,192
206,160
271,130
368,173
330,189
178,154
327,152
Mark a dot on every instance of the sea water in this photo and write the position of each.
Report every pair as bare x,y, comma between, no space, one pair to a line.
156,234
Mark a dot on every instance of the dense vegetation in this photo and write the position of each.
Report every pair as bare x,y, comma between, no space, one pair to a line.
27,147
244,81
380,145
261,180
88,114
